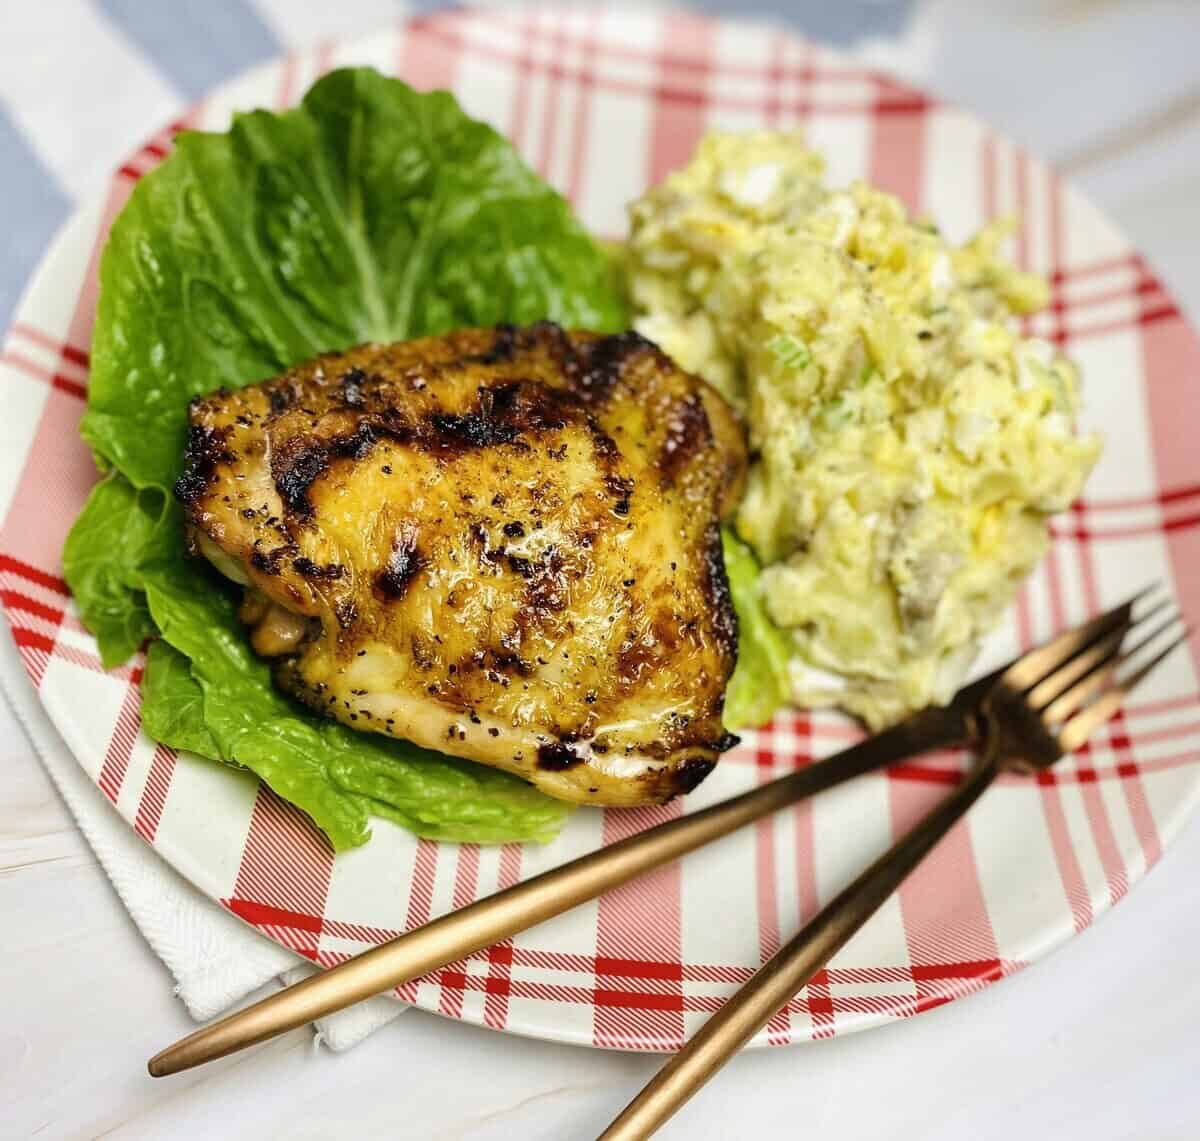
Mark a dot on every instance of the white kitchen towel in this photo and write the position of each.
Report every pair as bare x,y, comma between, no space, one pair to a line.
216,960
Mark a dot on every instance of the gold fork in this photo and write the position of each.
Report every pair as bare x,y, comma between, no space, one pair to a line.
1044,706
450,937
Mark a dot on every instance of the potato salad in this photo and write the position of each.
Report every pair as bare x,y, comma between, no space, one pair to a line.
909,444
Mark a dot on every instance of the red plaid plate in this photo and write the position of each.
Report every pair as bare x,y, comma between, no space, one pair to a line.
604,103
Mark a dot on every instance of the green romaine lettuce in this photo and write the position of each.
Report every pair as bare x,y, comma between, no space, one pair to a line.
101,560
173,702
760,685
371,212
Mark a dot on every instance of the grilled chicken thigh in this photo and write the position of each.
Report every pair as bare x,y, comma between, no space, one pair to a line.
501,544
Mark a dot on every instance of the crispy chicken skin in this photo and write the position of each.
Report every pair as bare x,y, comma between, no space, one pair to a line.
502,544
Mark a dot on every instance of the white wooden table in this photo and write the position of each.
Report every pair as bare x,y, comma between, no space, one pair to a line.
1100,1041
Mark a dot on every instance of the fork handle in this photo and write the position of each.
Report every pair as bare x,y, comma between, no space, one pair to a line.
500,916
777,980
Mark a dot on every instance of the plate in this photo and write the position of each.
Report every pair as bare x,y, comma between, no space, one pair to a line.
604,104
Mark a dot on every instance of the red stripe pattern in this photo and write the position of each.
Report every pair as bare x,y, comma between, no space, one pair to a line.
643,966
286,865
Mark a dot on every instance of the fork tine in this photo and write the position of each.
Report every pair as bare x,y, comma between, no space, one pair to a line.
1096,678
1089,658
1057,682
1032,667
1082,725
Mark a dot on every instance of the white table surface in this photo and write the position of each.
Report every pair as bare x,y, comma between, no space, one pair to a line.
1101,1040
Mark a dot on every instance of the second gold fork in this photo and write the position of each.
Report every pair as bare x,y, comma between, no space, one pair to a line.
1040,709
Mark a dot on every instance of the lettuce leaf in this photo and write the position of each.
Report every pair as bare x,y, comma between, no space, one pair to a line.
100,561
371,212
760,685
173,702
